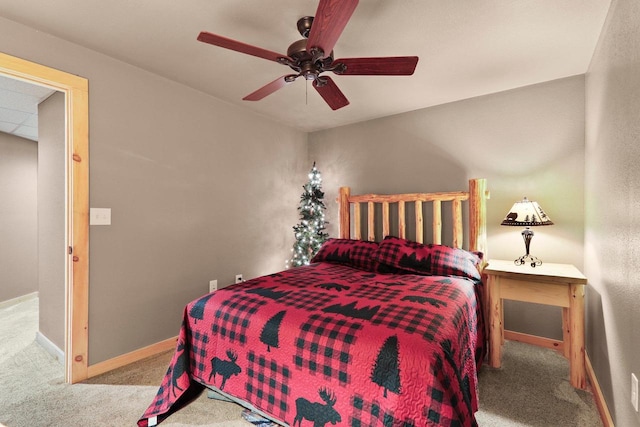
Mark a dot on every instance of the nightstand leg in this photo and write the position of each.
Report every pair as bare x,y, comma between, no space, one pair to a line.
495,322
566,331
576,336
501,322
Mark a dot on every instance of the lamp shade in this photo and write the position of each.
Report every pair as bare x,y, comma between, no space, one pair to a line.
526,213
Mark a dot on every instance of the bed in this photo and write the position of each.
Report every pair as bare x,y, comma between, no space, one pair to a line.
377,331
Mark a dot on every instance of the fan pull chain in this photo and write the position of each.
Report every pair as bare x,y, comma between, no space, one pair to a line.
306,92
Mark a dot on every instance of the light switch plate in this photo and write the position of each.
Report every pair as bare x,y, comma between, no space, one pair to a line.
100,216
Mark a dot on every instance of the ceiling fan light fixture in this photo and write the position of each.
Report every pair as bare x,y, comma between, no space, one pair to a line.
309,70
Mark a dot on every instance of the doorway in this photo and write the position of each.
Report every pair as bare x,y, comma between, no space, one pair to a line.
76,93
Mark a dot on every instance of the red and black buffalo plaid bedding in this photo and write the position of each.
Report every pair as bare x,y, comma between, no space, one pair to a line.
332,344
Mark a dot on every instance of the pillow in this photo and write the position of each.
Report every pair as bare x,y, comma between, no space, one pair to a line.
404,255
355,253
448,261
400,255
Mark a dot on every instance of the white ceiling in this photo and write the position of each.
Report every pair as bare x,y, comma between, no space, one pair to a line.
466,48
19,107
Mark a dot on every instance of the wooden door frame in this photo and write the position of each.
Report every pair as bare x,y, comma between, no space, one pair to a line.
76,90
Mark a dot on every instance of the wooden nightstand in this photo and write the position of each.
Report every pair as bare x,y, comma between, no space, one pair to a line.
560,285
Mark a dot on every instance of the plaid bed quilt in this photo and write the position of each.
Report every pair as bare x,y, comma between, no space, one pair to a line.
328,344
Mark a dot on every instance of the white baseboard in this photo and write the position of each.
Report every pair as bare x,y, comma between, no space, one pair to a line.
18,300
50,347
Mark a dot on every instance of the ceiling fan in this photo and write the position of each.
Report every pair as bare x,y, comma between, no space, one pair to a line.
313,55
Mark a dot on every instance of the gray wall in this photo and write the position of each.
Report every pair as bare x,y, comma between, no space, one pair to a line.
199,190
612,236
526,142
18,216
51,218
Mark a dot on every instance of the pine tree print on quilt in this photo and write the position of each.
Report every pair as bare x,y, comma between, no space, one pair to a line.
269,334
386,371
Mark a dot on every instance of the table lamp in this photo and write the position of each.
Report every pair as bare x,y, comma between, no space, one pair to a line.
526,213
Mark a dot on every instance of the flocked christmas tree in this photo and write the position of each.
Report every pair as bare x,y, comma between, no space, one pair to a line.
309,232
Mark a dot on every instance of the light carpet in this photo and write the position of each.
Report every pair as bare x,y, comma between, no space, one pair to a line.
531,389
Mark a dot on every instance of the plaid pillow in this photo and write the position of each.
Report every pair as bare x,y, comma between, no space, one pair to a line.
404,255
448,261
355,253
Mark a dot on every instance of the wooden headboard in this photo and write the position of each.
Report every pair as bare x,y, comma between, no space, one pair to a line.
476,196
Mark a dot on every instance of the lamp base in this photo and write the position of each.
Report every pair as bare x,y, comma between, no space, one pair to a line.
528,259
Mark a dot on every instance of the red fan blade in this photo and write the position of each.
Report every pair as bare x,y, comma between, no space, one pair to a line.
383,66
331,18
331,93
239,46
268,89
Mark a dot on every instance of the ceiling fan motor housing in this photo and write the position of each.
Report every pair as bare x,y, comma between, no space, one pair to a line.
303,60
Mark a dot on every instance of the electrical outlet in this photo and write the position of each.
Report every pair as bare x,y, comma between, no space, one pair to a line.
634,391
239,278
213,285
